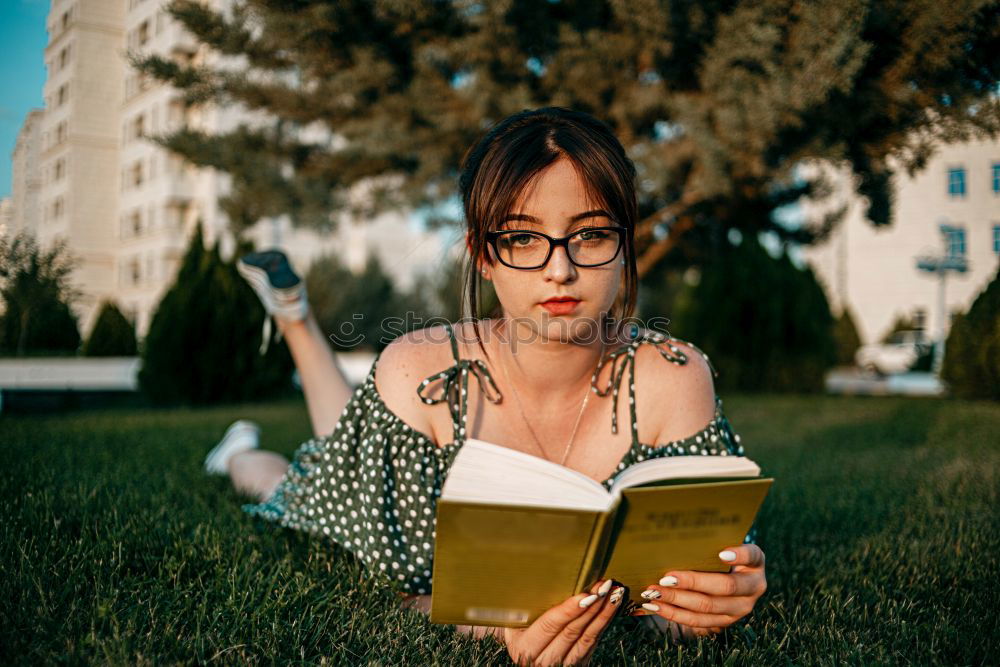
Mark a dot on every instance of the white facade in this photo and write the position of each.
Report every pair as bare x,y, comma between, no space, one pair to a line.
874,270
26,170
126,206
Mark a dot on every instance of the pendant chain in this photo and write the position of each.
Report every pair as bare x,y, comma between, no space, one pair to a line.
520,408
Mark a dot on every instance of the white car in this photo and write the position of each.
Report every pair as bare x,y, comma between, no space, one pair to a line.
896,356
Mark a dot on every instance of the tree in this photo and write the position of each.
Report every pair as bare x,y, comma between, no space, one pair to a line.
112,335
36,295
971,364
765,324
716,101
845,335
203,342
365,310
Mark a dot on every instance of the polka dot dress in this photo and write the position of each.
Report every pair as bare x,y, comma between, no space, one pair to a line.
372,484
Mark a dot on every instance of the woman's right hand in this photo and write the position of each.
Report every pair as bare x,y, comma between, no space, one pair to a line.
567,633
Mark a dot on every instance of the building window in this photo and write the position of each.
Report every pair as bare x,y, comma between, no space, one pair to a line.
63,58
143,33
996,178
954,239
956,181
996,238
135,222
63,95
60,169
136,175
139,127
61,132
134,273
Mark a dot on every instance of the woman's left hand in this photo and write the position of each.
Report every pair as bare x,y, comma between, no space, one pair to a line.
704,603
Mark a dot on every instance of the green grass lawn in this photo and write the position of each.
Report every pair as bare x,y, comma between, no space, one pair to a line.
881,536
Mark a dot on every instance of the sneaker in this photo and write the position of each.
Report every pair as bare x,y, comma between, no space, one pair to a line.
278,287
240,436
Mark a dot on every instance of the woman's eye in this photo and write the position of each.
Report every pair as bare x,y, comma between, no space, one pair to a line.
594,235
520,239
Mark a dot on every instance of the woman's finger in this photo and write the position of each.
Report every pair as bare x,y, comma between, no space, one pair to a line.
686,617
699,602
531,641
733,584
576,630
584,647
744,556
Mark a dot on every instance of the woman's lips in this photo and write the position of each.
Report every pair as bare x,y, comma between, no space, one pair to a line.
560,307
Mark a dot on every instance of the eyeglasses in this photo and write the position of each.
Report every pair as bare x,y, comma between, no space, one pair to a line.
587,247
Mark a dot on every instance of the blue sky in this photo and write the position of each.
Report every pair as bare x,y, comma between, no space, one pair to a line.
22,72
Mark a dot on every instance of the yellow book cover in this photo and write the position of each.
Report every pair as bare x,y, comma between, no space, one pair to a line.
516,534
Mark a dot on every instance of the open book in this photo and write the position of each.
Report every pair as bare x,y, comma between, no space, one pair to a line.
517,534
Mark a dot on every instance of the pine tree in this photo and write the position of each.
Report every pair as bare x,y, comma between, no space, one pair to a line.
112,334
717,102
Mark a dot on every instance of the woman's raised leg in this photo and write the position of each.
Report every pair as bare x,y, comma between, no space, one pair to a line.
326,388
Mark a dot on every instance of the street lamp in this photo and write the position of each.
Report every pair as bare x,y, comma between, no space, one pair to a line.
954,260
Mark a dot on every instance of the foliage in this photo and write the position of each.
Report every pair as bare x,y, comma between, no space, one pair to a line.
112,336
717,102
846,339
203,341
118,550
36,295
971,365
764,323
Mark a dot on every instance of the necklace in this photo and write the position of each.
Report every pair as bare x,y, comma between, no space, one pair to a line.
520,408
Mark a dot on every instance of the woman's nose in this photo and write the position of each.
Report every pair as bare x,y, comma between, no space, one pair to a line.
559,268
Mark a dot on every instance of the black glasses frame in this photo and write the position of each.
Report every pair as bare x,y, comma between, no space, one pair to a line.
492,236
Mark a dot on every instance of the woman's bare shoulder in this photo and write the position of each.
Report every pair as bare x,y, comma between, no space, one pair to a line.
682,391
404,363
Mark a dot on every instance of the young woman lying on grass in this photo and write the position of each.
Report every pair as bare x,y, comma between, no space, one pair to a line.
550,206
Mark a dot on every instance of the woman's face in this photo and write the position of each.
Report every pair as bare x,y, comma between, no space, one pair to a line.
548,205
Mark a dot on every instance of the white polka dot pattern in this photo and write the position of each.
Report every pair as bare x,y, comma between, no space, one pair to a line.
372,484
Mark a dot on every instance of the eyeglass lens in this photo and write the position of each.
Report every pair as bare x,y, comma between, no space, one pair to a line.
586,247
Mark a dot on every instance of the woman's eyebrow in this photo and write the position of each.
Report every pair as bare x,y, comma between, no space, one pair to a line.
597,213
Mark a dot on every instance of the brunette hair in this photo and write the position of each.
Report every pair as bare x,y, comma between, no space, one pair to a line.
498,167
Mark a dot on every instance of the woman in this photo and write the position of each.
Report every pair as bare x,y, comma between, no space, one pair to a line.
550,205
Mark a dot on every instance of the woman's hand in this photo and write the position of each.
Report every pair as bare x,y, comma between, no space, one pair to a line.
703,603
567,633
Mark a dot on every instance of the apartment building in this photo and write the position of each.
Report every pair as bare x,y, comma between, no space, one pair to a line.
26,184
949,210
85,168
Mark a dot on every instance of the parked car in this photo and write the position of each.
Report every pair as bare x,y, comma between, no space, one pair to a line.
898,355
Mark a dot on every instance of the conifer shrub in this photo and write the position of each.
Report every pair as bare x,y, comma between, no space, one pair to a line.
764,323
112,335
971,364
203,342
846,339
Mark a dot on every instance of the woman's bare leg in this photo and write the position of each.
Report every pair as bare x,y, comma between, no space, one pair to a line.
256,472
326,389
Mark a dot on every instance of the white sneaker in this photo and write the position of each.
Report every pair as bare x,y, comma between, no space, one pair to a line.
241,435
280,290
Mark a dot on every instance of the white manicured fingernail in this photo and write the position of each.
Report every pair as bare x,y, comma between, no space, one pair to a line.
668,581
616,595
649,606
605,587
650,595
589,600
727,555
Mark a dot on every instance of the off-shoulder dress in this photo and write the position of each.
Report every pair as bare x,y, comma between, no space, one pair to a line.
372,484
